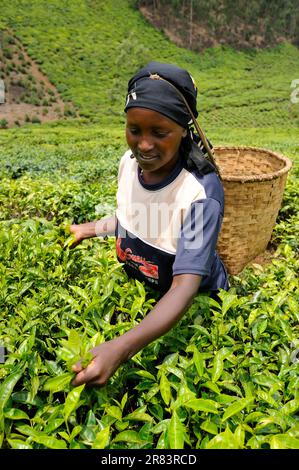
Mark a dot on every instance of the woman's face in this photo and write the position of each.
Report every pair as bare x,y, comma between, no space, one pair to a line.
153,138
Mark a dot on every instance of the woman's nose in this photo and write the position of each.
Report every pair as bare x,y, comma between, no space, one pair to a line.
145,145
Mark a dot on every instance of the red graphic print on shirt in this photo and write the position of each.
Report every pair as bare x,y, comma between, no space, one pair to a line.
148,268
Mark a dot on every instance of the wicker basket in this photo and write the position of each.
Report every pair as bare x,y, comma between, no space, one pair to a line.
254,180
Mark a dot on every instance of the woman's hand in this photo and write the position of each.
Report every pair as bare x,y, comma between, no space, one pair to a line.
76,230
102,227
82,231
107,357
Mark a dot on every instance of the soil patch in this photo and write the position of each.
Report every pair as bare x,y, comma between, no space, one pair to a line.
29,96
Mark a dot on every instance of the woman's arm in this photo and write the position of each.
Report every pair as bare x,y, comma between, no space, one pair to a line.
168,310
100,228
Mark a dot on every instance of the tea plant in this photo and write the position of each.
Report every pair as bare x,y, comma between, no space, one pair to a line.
224,377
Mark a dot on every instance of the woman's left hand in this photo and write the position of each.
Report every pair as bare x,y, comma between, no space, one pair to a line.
107,357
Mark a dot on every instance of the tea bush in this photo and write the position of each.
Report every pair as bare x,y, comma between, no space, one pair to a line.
224,377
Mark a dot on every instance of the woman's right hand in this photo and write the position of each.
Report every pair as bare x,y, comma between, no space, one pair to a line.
82,231
78,233
92,229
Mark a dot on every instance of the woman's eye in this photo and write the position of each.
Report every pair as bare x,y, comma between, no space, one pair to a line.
155,133
134,131
160,134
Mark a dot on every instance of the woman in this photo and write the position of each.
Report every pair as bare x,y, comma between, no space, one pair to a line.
170,205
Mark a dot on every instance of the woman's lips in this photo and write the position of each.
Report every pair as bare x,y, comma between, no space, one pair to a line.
146,157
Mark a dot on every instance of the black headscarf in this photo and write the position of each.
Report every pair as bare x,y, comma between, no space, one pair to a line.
161,96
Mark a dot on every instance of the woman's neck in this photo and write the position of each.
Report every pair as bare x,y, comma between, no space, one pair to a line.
155,177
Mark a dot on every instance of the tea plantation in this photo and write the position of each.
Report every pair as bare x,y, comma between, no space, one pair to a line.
225,376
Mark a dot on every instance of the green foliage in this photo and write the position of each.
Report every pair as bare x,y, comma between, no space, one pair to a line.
90,59
3,123
35,120
224,377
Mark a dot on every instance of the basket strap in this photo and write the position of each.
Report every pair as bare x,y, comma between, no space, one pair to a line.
201,134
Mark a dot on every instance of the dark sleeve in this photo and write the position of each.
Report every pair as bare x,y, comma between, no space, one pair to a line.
198,238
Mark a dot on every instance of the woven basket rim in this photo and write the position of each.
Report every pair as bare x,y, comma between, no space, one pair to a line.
262,177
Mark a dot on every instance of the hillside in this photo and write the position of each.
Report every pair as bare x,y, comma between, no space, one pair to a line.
88,51
29,95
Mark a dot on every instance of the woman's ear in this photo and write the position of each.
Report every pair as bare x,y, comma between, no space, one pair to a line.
184,133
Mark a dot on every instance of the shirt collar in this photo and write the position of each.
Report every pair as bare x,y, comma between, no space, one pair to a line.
167,180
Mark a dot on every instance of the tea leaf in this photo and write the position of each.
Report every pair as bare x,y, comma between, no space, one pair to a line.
209,427
201,404
291,406
139,415
58,384
15,413
7,387
114,411
236,407
165,389
128,436
283,441
228,300
199,362
223,440
18,444
72,401
175,432
49,441
102,439
80,292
